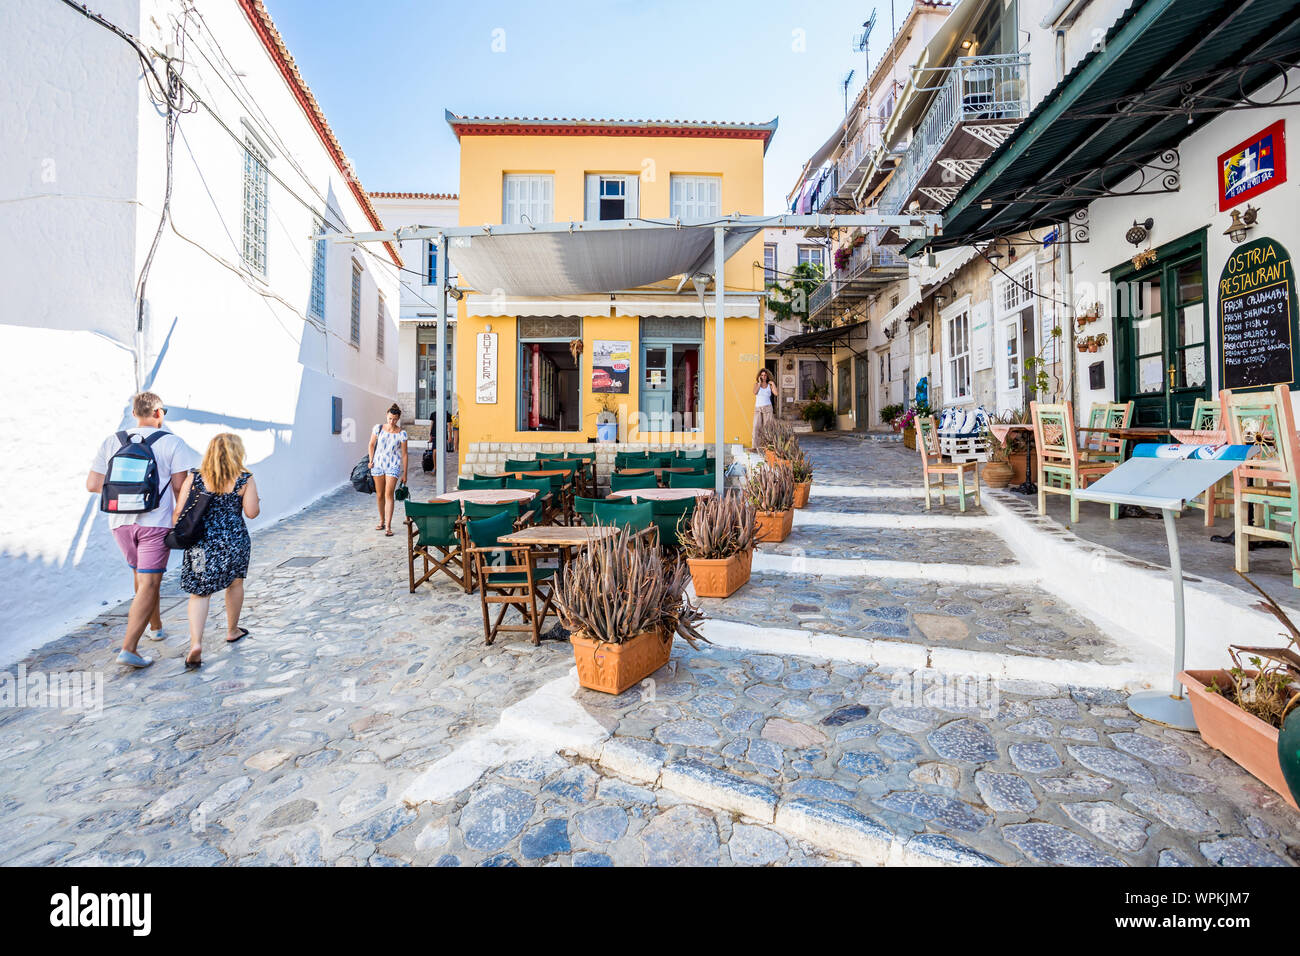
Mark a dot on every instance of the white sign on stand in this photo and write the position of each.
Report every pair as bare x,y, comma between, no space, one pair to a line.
1167,477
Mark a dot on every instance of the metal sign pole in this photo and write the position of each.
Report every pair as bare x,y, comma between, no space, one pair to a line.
440,417
719,301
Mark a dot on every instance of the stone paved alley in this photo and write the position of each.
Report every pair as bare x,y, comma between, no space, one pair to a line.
362,725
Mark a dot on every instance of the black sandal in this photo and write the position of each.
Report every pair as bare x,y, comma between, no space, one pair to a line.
243,633
193,665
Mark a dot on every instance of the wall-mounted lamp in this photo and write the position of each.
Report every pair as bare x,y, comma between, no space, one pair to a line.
966,43
942,296
991,251
488,327
1139,231
1241,223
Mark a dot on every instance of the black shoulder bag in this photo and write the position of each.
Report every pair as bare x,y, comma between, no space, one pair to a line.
189,523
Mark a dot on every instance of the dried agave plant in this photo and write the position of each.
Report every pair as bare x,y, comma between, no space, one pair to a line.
1274,689
775,436
770,488
800,465
721,526
621,586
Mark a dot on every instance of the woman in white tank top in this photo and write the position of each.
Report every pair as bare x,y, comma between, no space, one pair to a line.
764,397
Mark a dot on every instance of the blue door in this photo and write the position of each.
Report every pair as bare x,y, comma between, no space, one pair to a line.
657,387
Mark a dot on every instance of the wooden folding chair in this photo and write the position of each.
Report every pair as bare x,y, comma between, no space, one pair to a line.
933,465
1206,418
1064,469
1267,482
433,534
1098,446
637,517
508,577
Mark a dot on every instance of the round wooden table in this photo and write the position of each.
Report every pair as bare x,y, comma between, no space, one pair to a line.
661,494
659,472
488,496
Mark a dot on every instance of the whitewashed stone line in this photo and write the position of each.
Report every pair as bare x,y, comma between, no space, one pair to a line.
1132,604
863,491
804,517
822,645
874,568
551,720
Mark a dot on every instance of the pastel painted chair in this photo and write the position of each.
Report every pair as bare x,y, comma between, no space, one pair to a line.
936,470
1098,446
1264,489
1216,501
1063,467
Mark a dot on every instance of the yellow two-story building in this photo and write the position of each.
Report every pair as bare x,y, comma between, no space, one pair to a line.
537,373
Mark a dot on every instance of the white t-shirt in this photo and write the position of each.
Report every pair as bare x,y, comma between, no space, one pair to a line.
172,455
764,397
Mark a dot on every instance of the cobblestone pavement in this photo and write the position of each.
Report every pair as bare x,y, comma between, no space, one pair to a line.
295,745
817,540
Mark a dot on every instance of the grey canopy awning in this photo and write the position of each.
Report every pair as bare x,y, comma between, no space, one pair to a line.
563,263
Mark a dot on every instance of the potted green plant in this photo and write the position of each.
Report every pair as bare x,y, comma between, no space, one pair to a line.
623,603
890,413
818,413
1242,710
718,542
770,489
802,470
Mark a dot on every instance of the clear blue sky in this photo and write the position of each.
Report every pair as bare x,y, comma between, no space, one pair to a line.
384,71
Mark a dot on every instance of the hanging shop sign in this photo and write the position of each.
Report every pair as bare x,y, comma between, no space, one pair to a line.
485,355
1253,166
1257,317
611,366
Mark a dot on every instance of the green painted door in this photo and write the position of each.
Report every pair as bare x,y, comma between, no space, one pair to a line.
1162,338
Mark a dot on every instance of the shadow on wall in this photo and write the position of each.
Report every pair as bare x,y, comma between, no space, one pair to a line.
50,595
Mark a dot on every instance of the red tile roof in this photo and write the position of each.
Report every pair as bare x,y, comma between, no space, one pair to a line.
378,195
258,16
563,126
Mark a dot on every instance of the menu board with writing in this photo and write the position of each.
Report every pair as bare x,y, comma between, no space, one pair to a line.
1257,317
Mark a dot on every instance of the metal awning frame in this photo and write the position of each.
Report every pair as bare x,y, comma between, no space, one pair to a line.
443,236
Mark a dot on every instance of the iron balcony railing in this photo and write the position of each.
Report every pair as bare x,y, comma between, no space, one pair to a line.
974,88
859,148
825,190
864,259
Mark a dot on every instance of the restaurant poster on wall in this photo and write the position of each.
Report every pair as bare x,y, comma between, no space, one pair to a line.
1257,316
611,366
485,369
1253,166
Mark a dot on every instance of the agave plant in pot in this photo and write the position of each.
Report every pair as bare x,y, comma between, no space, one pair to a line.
770,489
1251,711
718,542
802,470
623,603
775,440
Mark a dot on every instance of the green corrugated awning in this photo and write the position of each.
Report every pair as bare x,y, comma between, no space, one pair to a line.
1165,68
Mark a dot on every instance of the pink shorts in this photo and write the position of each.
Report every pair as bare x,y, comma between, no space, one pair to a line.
144,548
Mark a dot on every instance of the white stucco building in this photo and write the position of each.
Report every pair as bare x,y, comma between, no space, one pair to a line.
246,324
421,299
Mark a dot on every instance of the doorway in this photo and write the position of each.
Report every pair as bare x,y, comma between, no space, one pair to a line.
862,385
670,386
1162,335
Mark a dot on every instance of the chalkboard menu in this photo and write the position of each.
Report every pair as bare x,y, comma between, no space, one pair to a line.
1257,317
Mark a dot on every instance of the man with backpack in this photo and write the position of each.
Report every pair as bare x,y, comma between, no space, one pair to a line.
137,473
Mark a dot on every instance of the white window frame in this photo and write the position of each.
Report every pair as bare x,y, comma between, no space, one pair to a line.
354,336
596,184
817,257
255,206
379,327
695,198
771,270
430,262
527,198
957,355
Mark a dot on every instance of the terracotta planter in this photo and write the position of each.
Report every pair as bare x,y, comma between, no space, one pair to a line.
909,438
1019,462
613,668
1092,348
720,577
774,526
997,474
801,492
772,459
1251,743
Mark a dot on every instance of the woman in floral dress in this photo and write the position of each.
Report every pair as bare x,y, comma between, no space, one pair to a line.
219,561
388,465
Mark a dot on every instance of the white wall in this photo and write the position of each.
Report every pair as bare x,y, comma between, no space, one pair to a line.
1194,206
226,350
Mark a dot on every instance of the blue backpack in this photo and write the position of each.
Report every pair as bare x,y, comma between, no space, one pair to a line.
131,485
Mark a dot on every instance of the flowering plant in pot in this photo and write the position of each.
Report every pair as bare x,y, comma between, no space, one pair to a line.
623,603
770,489
1252,713
997,472
718,542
